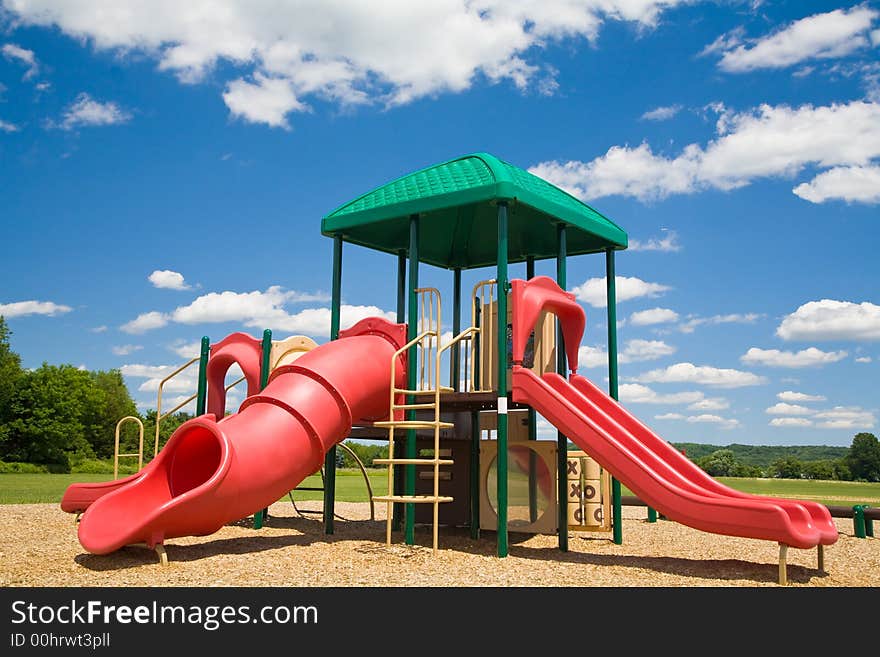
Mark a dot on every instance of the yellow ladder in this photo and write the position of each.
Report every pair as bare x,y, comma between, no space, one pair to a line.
427,385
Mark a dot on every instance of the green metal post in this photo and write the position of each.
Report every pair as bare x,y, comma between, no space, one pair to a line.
455,368
412,373
266,363
652,514
561,439
503,287
397,514
475,474
330,459
859,521
610,288
533,432
202,390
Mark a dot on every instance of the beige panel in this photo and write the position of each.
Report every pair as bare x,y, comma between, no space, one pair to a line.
573,469
575,514
544,344
592,492
591,468
286,351
593,516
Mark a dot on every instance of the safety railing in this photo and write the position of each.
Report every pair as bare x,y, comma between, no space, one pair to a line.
482,350
139,453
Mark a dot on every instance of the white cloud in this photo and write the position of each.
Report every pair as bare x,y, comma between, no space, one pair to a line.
667,243
145,322
25,308
669,416
634,393
829,319
811,357
85,111
770,141
6,126
653,316
791,396
186,350
662,113
863,359
791,422
783,408
875,37
99,329
821,36
346,52
316,321
850,184
592,291
733,318
702,375
140,371
14,52
125,349
634,351
167,279
710,404
846,417
726,423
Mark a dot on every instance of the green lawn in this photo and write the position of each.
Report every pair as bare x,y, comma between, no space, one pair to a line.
350,487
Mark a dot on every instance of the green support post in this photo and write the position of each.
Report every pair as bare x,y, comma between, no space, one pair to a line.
475,475
202,390
561,439
610,288
503,287
533,432
412,373
266,363
330,458
859,521
652,514
397,514
869,522
455,356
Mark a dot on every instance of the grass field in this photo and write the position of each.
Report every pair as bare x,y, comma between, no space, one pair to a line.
350,487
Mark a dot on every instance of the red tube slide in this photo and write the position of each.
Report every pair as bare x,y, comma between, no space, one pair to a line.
213,472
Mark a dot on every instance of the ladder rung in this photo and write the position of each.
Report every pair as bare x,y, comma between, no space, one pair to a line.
412,406
424,461
413,424
407,391
414,499
121,455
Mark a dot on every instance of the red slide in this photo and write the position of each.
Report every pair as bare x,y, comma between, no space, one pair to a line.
647,464
660,475
213,472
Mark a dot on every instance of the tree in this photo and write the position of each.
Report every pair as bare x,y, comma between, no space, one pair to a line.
10,373
787,467
53,411
167,427
819,469
720,463
863,459
117,405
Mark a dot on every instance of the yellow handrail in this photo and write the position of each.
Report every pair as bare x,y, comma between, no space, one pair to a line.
486,291
159,414
140,452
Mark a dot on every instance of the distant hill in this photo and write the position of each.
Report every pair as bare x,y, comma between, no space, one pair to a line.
763,455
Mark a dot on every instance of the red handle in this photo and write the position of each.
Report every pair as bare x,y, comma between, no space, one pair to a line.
541,293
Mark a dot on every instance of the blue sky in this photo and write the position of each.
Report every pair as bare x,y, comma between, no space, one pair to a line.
163,175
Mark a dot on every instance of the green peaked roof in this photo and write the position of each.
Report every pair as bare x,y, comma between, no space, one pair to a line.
456,202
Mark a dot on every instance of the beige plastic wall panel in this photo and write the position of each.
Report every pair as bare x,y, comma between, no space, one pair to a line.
546,523
286,351
517,424
544,346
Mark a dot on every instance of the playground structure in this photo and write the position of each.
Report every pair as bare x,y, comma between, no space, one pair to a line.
473,212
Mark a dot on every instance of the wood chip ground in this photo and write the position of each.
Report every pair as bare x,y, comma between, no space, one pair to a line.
39,547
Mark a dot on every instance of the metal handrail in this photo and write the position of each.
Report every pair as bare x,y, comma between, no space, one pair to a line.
140,452
485,289
159,415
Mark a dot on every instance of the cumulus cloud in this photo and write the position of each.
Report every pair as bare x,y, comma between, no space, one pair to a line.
634,393
145,322
86,112
701,374
829,319
732,318
703,418
634,351
768,142
850,184
811,357
6,126
846,417
346,52
782,408
25,308
864,359
653,316
593,291
186,350
15,53
662,113
791,396
125,349
667,243
167,279
791,422
710,404
820,36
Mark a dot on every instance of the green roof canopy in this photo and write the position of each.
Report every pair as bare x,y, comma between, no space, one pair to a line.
457,205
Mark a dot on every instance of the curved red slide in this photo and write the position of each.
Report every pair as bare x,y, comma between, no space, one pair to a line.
660,480
213,472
